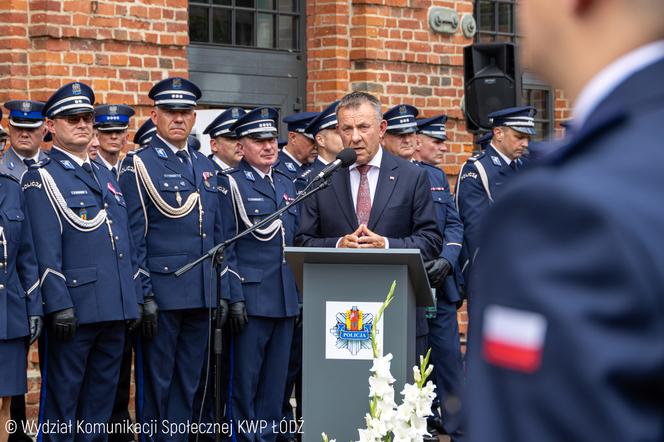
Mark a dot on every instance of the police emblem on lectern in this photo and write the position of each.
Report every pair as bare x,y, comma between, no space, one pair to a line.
349,330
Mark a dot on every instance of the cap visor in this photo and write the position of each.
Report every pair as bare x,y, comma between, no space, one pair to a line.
525,130
263,135
402,131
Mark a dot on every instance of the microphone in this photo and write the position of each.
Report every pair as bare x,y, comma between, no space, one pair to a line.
345,158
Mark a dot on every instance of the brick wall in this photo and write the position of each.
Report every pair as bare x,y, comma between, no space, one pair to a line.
387,48
119,47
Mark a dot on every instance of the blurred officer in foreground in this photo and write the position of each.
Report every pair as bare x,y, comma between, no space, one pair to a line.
445,277
175,217
112,122
226,152
568,341
263,318
481,177
81,233
21,314
328,142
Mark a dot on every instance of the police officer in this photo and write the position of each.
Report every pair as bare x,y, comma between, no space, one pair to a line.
262,321
400,138
443,338
175,217
111,123
81,233
223,143
21,315
296,157
328,142
481,177
26,131
144,134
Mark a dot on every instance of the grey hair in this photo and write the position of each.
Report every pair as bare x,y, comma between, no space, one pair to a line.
358,98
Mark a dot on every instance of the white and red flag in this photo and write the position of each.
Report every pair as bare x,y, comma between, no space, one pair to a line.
513,339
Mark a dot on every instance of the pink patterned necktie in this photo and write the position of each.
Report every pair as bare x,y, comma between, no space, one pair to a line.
363,209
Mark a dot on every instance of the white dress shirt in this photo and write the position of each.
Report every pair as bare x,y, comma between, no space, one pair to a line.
34,158
220,163
103,161
611,77
372,176
74,158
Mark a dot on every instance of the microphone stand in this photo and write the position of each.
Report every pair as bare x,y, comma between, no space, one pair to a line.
216,253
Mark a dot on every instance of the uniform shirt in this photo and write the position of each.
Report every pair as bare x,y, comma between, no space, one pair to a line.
109,166
220,163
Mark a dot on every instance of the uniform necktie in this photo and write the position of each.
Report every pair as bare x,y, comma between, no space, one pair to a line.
268,179
513,165
88,168
29,162
184,157
363,208
114,171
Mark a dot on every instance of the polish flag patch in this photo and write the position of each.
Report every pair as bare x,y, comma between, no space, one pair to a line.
513,339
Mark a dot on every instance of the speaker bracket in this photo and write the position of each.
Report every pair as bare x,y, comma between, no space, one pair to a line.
443,20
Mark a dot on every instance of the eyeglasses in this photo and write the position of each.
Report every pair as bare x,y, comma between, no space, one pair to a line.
73,120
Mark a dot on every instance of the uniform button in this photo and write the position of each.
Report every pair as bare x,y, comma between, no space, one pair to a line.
117,238
182,183
2,264
105,205
256,211
120,255
176,188
82,203
75,281
205,235
2,286
166,269
165,184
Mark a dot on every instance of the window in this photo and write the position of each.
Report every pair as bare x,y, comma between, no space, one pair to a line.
269,24
496,21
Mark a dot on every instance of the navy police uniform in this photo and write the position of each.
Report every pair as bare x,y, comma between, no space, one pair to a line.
298,173
568,341
23,114
88,276
481,178
443,337
116,118
109,118
20,296
175,217
220,127
260,352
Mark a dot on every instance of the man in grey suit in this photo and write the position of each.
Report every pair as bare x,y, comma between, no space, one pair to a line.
26,132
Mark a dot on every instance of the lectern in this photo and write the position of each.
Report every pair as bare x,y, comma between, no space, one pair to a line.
342,290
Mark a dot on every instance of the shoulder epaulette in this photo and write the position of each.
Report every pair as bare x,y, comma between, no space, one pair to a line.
228,171
11,177
281,172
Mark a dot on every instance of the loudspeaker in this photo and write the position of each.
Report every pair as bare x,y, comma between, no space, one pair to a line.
492,81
